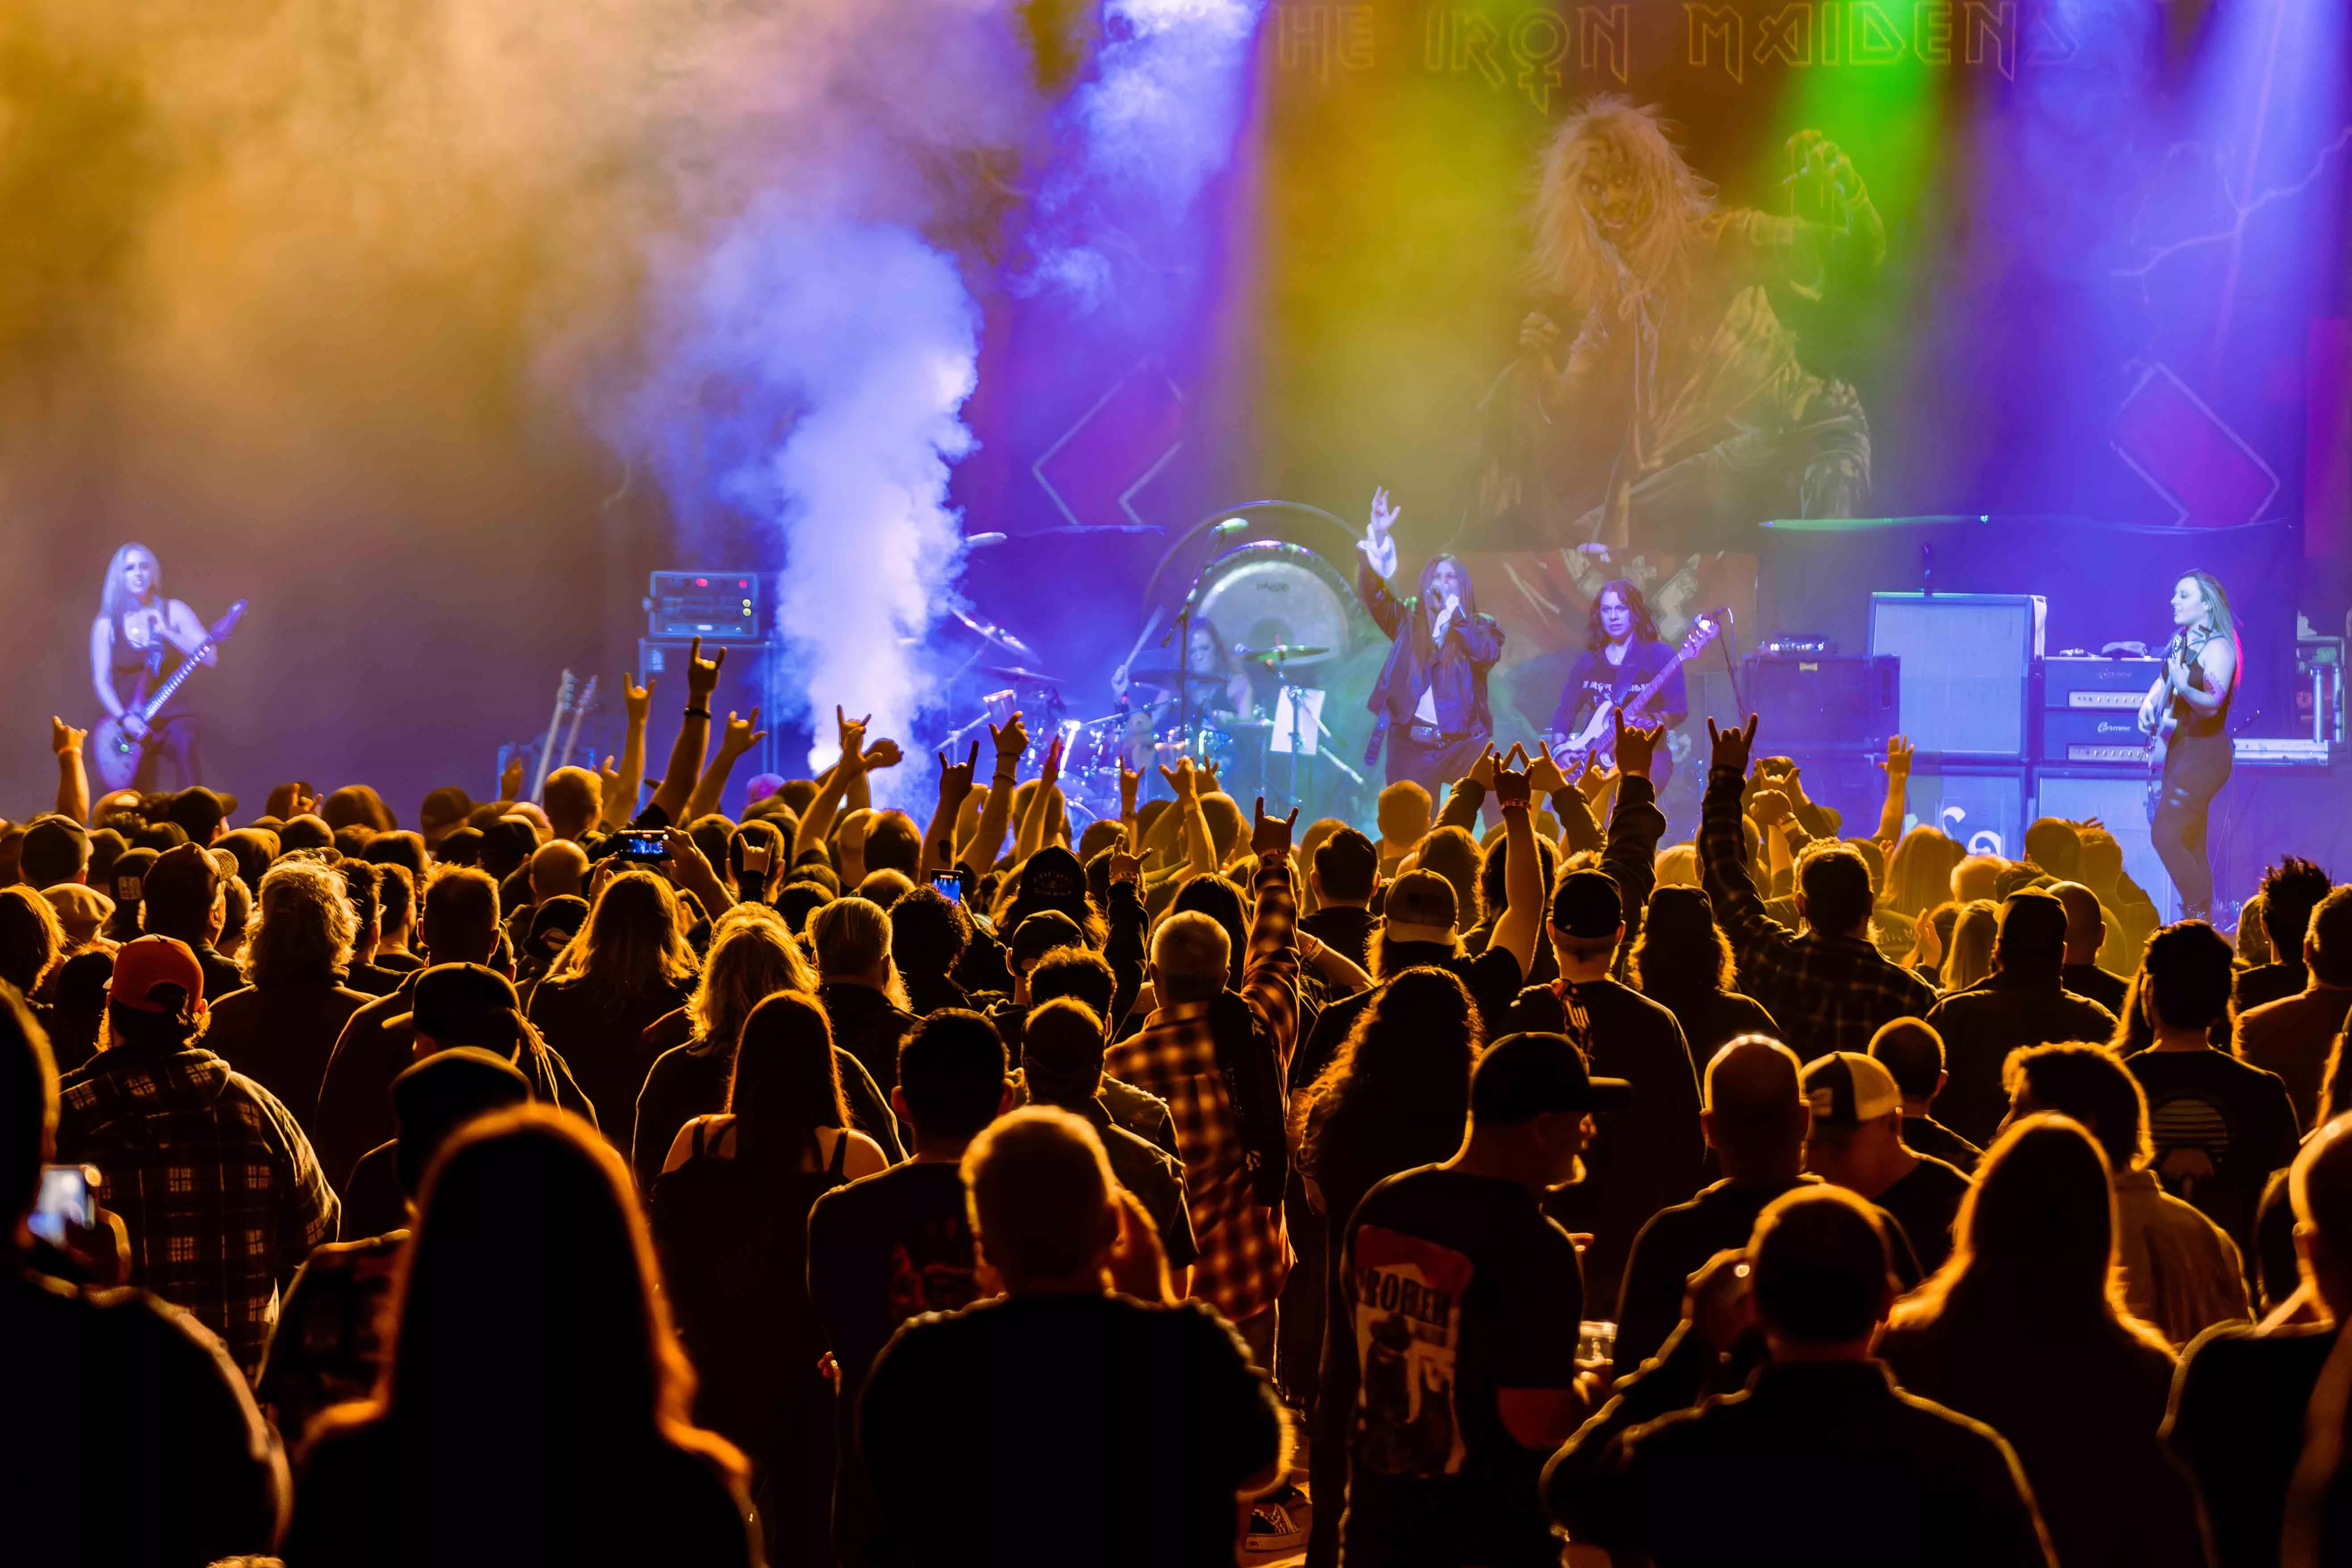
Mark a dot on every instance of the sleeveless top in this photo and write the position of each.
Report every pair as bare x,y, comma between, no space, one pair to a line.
159,660
2193,724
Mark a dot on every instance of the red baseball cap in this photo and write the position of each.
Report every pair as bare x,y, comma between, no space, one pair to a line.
141,967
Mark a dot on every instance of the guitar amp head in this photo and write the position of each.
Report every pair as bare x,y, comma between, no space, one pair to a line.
717,606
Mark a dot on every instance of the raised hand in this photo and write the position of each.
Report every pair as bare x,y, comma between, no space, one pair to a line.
1482,771
1511,778
702,675
610,776
638,700
64,737
883,753
1010,741
1770,807
1544,776
1125,866
741,734
955,778
852,733
1378,548
1636,745
1131,783
1271,835
1594,782
1732,746
1052,770
1183,779
1898,758
510,781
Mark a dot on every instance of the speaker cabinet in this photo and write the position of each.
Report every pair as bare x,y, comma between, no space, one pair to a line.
2119,803
1821,704
752,677
1967,663
1982,808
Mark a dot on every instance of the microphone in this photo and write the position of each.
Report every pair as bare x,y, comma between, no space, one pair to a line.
1231,525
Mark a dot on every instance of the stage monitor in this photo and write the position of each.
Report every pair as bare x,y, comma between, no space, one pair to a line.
1968,664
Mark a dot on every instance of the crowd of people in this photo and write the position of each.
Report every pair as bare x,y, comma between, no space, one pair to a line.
578,1180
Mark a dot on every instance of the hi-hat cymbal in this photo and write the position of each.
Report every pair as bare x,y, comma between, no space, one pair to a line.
1013,672
1279,652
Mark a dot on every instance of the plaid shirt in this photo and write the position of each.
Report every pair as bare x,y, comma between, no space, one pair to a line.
1827,993
212,1177
1244,1256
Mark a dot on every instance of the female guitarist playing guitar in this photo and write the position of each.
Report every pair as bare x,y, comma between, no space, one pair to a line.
137,641
1621,652
2187,715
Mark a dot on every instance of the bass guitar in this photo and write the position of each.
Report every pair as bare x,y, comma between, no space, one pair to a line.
115,755
1596,741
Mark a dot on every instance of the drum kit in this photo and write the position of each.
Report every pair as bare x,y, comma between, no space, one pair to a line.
1294,613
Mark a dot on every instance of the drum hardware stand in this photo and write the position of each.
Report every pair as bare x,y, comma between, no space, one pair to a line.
1181,632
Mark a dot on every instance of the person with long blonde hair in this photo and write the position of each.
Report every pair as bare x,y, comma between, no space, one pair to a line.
2193,694
1970,956
534,1406
2026,1329
138,642
627,965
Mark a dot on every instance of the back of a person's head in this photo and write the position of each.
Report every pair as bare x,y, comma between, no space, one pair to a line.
1039,1187
56,849
1062,1044
395,896
1681,950
752,956
2188,974
396,849
1977,878
2319,1184
631,944
1967,952
177,893
1404,812
31,939
928,933
1079,972
303,924
952,1073
558,868
2036,1234
2089,1085
1221,900
572,796
851,937
1819,1266
356,806
1453,854
1346,864
1919,873
2330,938
1912,1052
1494,872
1102,833
1400,1079
787,1082
1189,954
884,887
433,1100
2290,891
1834,883
29,1106
1873,860
305,832
527,1304
2053,845
1755,1102
1227,827
712,835
2031,935
460,923
892,843
363,885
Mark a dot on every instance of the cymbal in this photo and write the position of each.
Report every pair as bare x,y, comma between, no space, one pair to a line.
1279,652
1013,672
988,631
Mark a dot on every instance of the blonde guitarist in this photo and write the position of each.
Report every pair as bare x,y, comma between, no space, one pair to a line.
2185,715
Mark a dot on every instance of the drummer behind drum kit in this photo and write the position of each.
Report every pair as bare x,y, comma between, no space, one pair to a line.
1296,612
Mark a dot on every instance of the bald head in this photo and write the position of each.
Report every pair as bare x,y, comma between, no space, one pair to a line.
2320,1186
575,798
557,869
2086,922
1756,1117
1913,1056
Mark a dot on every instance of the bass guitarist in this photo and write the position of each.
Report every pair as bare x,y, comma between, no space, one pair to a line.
1621,652
2187,715
137,641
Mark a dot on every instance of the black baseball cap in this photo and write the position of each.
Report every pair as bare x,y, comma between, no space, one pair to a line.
1040,934
1588,905
200,812
1052,873
440,1094
463,1004
555,922
1524,1076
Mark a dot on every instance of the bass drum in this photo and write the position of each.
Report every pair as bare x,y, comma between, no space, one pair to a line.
1270,591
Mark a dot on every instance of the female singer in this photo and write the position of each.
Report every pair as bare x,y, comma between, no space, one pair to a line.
1431,702
1622,651
2192,699
139,639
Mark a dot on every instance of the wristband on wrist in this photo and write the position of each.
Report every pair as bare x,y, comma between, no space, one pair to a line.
702,713
1513,805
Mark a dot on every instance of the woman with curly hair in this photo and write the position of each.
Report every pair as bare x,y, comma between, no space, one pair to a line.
625,968
282,1028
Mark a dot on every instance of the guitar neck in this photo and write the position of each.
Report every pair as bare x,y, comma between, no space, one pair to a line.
155,705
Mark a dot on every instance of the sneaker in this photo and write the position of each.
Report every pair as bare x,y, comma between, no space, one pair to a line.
1275,1522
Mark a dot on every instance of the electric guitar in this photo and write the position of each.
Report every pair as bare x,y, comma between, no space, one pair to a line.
2167,720
1596,740
115,755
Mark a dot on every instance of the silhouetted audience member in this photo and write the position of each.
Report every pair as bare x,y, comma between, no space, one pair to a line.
2181,1272
328,1346
1151,1412
2023,1002
893,1246
2292,1036
2238,1408
534,1408
626,967
1748,1477
2221,1126
1458,1289
2290,891
215,1183
751,958
929,933
1063,1069
859,983
1345,872
1683,961
178,894
731,1213
1756,1119
1855,1139
1085,975
2026,1331
137,1443
1396,1097
282,1028
1913,1053
2086,936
